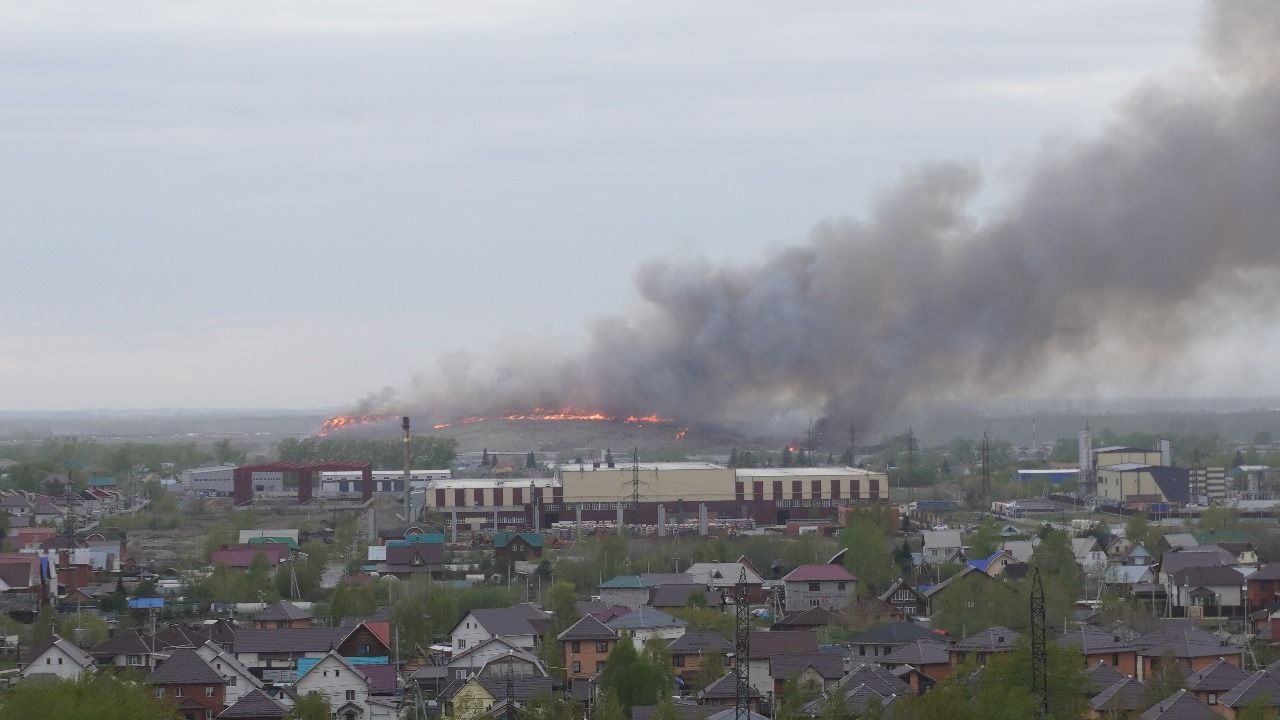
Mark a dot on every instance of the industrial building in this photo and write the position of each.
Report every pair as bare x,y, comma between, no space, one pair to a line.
219,480
343,482
1138,484
674,491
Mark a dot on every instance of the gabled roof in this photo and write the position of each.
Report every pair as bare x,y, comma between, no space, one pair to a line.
176,636
720,574
523,688
289,640
779,642
505,621
994,639
1092,641
282,611
819,573
699,641
588,628
811,618
383,678
503,539
1184,640
185,667
255,705
943,539
1208,576
897,585
456,660
1181,705
918,652
1218,677
1123,695
1179,540
645,617
129,642
625,582
1259,684
356,671
1101,676
876,677
77,656
894,633
782,667
984,564
725,687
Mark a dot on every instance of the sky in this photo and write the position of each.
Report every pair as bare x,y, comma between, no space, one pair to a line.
293,204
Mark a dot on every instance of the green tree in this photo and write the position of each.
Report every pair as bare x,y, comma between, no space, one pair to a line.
1219,517
1165,679
634,679
92,696
711,670
530,461
613,554
352,601
546,706
312,706
84,629
562,599
42,627
610,707
1006,681
666,710
1260,708
867,557
413,622
985,540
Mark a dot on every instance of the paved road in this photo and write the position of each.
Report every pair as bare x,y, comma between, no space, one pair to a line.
333,572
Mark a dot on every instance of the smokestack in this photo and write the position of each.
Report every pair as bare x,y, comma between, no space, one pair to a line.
1085,444
408,470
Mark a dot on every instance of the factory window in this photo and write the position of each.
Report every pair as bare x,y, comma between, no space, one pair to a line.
835,489
738,491
797,490
460,498
815,489
777,489
757,490
854,489
439,498
497,496
478,496
557,494
517,496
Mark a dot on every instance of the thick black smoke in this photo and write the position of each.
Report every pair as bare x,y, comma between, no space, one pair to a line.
1126,232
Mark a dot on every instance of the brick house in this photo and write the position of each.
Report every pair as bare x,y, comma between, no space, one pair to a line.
983,644
186,680
689,651
929,656
586,644
1101,646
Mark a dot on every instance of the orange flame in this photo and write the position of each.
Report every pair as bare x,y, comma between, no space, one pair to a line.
441,426
682,433
341,422
649,419
560,414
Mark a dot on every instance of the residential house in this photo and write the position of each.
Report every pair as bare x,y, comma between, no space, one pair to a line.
59,658
413,560
368,638
631,591
1089,555
186,680
906,600
724,692
1100,646
1181,705
239,680
1215,680
487,696
884,639
126,649
1101,676
810,620
1264,586
522,625
1187,644
1021,550
1124,698
819,585
473,660
1117,547
725,576
684,595
281,615
982,645
942,546
1137,555
994,564
1207,592
586,646
863,682
764,645
1246,555
646,624
930,656
1262,686
255,705
818,671
512,546
243,556
1178,541
27,581
346,688
694,648
273,655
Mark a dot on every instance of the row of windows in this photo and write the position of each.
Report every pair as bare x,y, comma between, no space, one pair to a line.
602,646
815,489
577,666
177,691
497,495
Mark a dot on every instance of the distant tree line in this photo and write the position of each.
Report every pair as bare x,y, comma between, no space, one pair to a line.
382,453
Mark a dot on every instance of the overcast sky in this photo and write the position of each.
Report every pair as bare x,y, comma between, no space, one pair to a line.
247,204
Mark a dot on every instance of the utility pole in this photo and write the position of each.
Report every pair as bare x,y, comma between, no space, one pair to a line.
1039,650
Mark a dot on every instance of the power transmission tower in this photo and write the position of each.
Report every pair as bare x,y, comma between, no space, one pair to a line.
742,650
635,476
511,689
1039,656
986,469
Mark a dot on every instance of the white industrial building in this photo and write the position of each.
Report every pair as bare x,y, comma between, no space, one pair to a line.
342,482
220,480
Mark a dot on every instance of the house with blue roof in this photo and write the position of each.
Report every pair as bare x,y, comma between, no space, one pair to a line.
994,564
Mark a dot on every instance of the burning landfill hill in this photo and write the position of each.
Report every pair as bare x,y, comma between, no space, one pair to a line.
543,429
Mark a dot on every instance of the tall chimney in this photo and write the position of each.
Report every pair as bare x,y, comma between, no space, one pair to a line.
408,470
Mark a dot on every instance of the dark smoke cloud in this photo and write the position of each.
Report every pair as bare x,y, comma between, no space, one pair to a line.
1126,232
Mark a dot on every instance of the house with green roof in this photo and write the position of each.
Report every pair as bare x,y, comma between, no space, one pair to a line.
630,591
267,540
105,482
512,546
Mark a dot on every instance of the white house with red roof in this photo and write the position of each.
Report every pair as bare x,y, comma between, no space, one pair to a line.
827,586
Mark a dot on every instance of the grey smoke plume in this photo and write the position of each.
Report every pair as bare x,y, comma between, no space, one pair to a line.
1177,201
